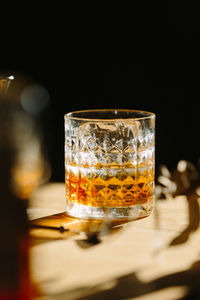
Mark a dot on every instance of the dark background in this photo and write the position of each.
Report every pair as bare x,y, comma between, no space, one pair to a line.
140,56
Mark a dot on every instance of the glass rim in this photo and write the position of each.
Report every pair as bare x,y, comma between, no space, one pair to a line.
147,115
6,77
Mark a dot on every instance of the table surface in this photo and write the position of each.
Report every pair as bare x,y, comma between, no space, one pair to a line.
157,257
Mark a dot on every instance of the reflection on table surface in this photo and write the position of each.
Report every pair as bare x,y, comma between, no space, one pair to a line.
144,259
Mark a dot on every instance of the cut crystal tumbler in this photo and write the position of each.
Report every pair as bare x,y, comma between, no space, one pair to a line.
109,163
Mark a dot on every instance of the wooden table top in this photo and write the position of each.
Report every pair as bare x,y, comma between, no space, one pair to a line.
153,258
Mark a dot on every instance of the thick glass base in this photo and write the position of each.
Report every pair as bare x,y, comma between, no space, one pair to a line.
134,212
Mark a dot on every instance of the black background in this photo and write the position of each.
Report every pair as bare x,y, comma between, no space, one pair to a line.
140,56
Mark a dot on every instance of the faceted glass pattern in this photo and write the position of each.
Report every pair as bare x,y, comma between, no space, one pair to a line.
109,163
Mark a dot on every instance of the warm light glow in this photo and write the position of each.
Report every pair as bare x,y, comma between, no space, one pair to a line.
182,165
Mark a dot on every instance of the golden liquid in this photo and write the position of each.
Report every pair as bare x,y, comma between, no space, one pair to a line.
109,186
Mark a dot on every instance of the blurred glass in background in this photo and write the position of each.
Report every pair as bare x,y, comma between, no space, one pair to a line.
31,167
24,166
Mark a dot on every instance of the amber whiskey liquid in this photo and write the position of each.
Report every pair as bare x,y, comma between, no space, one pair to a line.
117,188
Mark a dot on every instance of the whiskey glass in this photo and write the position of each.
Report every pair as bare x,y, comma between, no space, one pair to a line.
109,163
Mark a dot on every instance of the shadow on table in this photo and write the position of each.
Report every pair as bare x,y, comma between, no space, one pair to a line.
129,286
183,180
193,220
49,228
88,233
